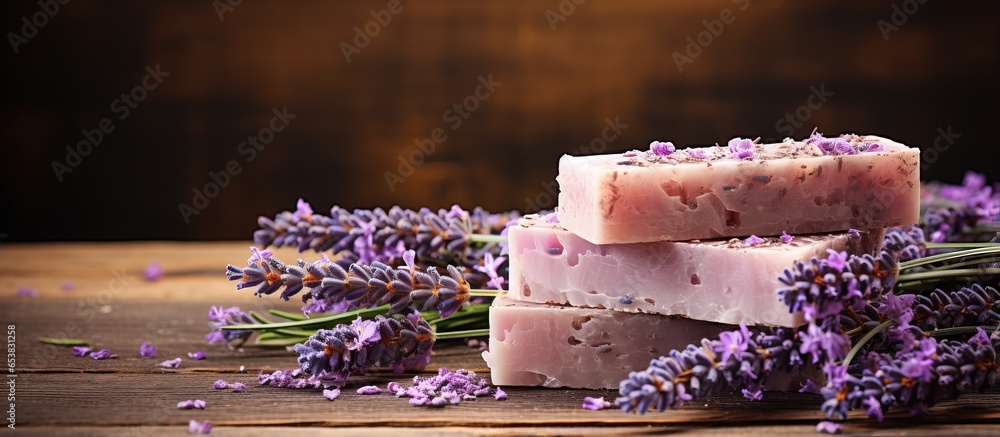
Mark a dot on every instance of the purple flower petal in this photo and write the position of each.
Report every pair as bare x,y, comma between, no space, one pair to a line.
196,427
102,354
153,271
26,292
81,351
196,404
331,394
220,384
197,355
171,364
660,148
874,408
500,395
595,404
146,349
369,390
754,240
828,427
67,286
239,387
785,238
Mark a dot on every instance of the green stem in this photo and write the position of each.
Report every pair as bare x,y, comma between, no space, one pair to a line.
461,334
992,249
951,273
937,246
287,316
973,262
857,347
957,330
315,323
484,293
488,238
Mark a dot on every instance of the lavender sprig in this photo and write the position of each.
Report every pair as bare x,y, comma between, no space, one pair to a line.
906,243
336,288
400,342
822,288
914,378
736,359
967,306
955,210
379,235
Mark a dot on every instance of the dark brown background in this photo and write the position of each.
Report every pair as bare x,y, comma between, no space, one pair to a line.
608,59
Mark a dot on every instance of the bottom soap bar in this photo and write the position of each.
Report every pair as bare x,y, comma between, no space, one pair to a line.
560,346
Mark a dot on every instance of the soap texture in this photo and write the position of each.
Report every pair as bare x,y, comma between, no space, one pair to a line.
558,346
726,281
710,192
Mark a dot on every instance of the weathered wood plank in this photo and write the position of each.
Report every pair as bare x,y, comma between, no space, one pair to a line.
58,394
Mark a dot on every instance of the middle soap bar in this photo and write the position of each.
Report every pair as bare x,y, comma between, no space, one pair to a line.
726,281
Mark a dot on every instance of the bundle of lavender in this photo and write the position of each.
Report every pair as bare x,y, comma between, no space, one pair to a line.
401,280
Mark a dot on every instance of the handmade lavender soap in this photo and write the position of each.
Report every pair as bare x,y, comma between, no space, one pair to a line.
726,281
558,346
816,185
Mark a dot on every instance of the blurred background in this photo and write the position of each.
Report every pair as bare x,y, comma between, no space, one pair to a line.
215,112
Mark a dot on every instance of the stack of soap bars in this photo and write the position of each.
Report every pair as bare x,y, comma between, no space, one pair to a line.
654,250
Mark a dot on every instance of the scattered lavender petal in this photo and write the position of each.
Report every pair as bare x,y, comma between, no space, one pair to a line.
369,390
754,240
595,404
197,355
196,404
102,354
171,364
26,292
81,351
67,286
146,349
785,238
220,384
828,427
500,395
239,387
196,427
153,271
331,394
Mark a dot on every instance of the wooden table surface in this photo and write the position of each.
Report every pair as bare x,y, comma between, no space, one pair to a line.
113,307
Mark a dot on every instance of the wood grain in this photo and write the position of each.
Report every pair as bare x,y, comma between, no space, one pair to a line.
59,394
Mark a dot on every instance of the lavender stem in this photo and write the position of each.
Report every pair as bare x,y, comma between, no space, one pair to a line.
857,347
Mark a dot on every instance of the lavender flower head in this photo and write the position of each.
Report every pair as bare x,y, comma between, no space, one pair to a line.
741,148
821,288
219,316
489,267
660,148
332,355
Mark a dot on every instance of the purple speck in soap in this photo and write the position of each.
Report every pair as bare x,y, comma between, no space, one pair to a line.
874,147
554,250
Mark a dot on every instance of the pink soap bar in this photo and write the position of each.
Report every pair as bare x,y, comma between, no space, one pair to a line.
724,281
707,193
557,346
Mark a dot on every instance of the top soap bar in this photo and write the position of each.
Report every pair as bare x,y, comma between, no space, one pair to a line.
812,186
